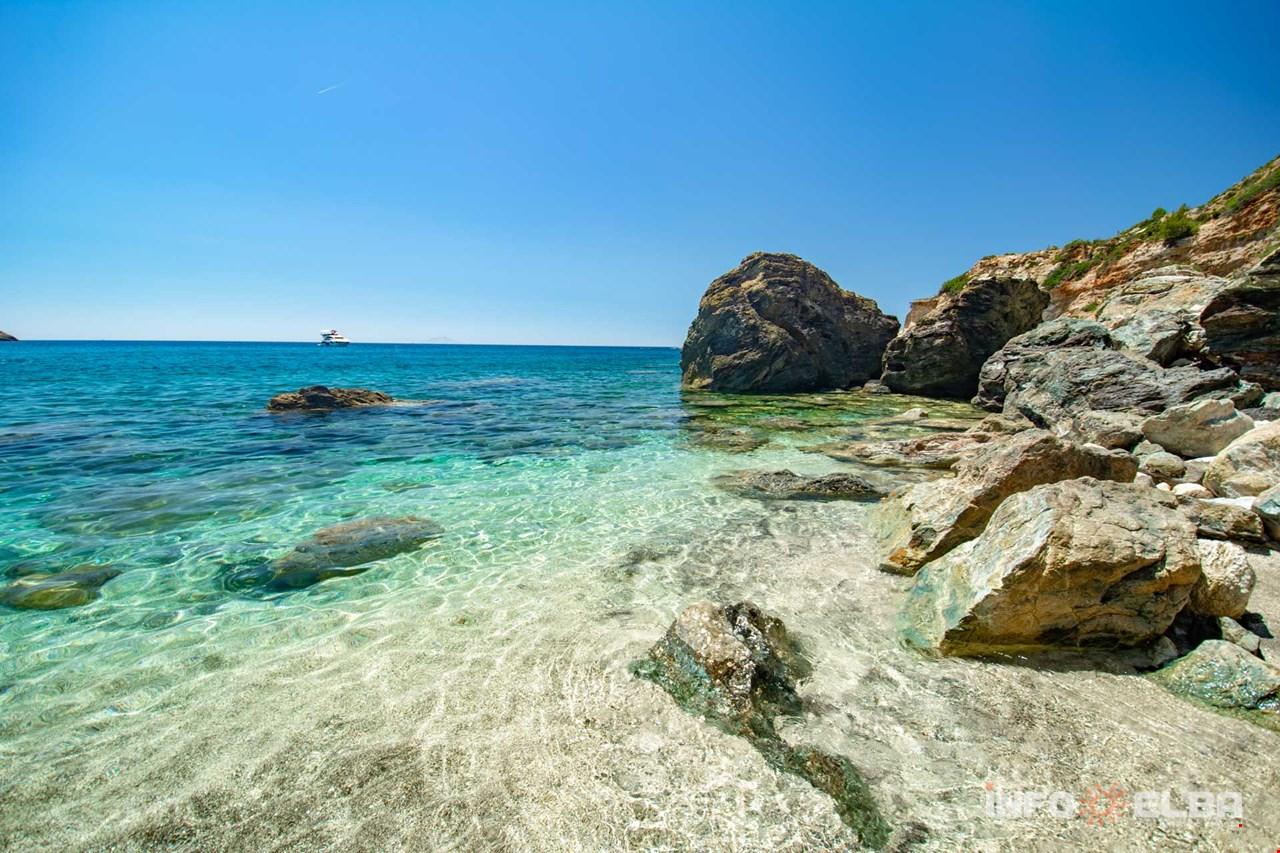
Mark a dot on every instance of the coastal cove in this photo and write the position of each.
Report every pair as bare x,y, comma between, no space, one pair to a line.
476,693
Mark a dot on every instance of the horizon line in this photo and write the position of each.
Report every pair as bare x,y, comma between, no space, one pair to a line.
317,343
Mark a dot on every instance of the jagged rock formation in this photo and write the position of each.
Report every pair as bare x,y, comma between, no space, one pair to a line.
1241,325
776,323
929,519
319,398
941,354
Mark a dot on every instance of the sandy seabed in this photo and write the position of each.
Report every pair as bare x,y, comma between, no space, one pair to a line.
499,714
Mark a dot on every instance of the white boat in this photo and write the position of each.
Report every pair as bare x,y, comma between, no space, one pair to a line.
333,338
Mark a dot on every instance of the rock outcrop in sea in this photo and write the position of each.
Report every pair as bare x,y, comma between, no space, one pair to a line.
941,353
5,336
776,323
321,398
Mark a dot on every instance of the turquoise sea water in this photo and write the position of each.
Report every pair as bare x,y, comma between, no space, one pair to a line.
475,694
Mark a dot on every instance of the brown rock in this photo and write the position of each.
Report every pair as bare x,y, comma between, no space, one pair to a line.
319,398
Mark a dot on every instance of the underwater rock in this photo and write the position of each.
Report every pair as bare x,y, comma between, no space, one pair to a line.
1077,563
737,667
775,324
72,588
728,440
939,450
937,516
785,485
319,398
338,551
1224,676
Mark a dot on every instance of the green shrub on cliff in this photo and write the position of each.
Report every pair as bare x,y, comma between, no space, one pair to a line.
1252,190
1174,226
954,285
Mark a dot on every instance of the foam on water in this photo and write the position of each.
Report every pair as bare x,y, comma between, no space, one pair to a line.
474,694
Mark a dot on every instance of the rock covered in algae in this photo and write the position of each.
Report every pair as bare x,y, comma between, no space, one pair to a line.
53,591
737,667
339,551
1225,676
786,485
320,398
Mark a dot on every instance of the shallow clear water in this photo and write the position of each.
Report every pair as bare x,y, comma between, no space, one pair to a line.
473,694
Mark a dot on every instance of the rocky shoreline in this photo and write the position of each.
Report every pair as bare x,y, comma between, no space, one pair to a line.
1134,464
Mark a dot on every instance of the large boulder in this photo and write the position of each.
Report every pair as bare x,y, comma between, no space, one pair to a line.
1068,367
1076,563
320,398
1247,466
339,551
942,353
1197,429
1224,676
929,519
56,590
785,485
776,323
1241,324
1157,314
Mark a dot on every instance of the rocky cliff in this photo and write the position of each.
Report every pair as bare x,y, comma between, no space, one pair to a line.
776,323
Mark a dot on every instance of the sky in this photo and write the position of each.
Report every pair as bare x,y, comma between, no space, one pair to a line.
577,173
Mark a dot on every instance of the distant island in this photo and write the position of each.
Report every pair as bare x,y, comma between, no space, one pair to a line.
5,336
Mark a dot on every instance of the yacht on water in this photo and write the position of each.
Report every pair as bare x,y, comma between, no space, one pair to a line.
333,338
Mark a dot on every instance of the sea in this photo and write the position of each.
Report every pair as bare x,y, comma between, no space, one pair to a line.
475,693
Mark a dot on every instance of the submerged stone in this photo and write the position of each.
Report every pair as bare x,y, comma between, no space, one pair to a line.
785,485
72,588
737,667
338,551
320,398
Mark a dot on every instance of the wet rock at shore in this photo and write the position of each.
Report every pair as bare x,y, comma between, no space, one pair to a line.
937,451
727,439
1224,676
929,519
1202,428
338,551
1226,580
53,591
737,667
942,353
320,398
1247,466
785,485
776,324
1077,563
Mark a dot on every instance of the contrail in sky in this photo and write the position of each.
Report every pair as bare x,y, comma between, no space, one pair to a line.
330,88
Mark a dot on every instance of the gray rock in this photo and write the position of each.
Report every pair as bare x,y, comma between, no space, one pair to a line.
1194,469
1271,400
1224,676
942,354
319,398
1062,333
1233,632
777,323
927,520
1226,580
875,386
1247,466
1163,467
1242,324
1076,563
1191,490
1267,507
1107,429
1157,335
785,485
1202,428
1216,518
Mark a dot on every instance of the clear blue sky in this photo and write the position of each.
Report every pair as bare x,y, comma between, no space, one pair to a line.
577,173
